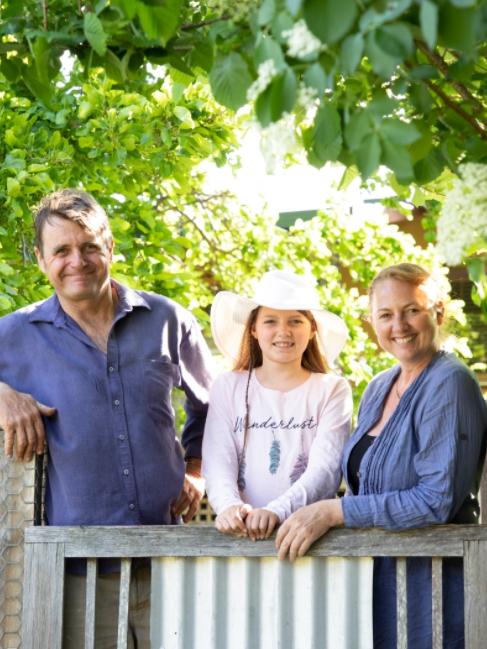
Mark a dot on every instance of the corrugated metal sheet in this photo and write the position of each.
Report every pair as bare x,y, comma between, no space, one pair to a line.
248,603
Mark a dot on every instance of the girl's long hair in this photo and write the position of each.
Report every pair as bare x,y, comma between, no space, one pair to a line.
250,357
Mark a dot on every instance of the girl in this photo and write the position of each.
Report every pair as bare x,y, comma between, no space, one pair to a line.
277,423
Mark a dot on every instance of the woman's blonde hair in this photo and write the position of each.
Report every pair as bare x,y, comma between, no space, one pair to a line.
414,275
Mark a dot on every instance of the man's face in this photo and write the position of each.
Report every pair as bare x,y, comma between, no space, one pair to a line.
75,261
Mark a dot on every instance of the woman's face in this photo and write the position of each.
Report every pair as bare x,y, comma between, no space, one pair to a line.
282,335
406,321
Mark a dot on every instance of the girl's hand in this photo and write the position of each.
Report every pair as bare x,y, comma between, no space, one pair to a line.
306,525
231,520
260,523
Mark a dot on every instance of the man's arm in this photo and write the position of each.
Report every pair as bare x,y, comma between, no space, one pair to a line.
192,492
21,419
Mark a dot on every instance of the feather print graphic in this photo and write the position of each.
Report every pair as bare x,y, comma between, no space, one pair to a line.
274,456
299,467
241,473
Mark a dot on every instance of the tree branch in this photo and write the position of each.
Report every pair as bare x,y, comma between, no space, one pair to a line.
44,14
473,121
439,63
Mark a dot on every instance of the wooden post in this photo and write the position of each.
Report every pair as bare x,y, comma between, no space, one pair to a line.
475,588
43,596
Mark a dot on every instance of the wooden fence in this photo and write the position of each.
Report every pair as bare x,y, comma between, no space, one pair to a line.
46,549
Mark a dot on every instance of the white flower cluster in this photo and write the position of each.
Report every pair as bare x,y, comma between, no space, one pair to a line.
463,221
266,72
301,42
278,140
309,102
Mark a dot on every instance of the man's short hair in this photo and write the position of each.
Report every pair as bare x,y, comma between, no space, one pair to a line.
73,205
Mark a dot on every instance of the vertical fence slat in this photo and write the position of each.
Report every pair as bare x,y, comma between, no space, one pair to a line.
475,586
42,622
123,609
402,604
437,601
90,603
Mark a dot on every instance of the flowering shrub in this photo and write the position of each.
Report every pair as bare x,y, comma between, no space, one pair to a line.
301,42
462,226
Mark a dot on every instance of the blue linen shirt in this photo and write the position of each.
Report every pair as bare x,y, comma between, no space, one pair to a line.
113,455
421,469
429,455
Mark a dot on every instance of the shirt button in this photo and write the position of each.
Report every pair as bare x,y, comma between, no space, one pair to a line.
121,437
126,472
359,474
111,368
116,402
131,506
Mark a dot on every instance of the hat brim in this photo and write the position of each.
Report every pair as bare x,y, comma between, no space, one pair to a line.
230,312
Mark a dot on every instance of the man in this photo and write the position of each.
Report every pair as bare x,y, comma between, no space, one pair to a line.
92,369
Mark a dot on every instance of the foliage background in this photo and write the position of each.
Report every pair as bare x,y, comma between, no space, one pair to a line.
153,93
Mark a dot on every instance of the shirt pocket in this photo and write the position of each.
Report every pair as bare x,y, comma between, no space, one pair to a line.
160,376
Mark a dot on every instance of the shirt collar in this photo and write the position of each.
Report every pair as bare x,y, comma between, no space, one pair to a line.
50,310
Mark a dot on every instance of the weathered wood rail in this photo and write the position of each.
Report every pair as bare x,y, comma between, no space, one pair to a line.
47,548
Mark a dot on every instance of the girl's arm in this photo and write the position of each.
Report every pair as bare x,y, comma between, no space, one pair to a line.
220,452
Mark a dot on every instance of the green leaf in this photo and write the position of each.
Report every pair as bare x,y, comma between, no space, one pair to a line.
42,91
41,50
94,32
399,132
457,27
357,129
371,19
476,269
382,64
267,48
463,3
420,98
420,72
395,40
160,22
347,178
129,7
368,155
294,6
266,12
278,98
429,168
428,19
230,79
330,20
398,159
315,77
327,134
13,187
351,52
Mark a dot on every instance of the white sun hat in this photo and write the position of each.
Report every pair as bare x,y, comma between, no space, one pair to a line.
277,289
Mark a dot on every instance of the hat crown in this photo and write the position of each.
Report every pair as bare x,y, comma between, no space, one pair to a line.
280,289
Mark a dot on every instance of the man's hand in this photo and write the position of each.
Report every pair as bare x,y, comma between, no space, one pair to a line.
21,419
232,520
188,501
306,525
260,524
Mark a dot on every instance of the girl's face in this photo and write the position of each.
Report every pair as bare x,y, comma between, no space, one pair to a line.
282,335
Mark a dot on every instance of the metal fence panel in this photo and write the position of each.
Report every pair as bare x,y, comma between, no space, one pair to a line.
16,511
261,603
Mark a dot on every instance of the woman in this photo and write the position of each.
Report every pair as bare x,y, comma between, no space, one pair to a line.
415,458
277,423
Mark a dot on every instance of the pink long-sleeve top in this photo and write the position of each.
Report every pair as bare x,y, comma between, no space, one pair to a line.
294,445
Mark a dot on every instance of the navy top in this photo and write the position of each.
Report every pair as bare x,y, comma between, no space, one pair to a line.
113,455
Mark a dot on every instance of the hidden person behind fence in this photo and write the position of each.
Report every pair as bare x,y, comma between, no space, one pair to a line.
91,370
415,458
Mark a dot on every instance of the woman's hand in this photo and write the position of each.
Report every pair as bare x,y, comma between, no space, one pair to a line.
305,526
232,520
260,523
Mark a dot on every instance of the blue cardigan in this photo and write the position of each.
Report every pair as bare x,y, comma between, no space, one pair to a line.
424,468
